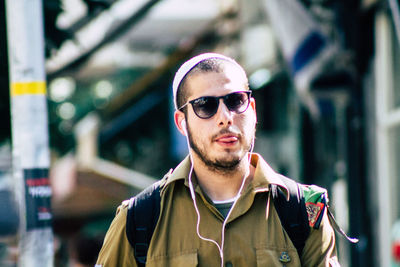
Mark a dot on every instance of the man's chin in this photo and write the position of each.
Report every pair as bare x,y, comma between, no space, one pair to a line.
224,166
226,163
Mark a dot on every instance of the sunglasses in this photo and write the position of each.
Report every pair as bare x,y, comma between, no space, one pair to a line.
206,106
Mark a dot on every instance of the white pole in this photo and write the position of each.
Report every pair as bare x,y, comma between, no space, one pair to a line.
31,158
383,85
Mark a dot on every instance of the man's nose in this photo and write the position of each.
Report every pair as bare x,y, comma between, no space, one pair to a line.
224,115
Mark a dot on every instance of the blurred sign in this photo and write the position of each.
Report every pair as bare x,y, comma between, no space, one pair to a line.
38,196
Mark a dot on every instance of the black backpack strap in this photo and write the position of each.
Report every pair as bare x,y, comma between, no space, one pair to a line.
292,212
340,230
141,220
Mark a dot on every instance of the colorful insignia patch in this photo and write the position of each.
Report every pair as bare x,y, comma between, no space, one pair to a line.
314,211
285,258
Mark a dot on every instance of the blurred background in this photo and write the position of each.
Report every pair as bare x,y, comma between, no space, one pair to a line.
325,75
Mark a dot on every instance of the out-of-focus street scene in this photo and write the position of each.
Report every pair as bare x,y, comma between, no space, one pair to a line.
88,117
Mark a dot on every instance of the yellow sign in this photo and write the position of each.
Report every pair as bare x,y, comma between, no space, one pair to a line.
28,88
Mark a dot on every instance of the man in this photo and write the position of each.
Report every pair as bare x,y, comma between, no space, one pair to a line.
216,205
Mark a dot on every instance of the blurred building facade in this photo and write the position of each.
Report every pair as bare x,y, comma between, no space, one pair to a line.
325,76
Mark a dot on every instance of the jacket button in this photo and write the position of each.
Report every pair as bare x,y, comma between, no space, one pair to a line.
228,264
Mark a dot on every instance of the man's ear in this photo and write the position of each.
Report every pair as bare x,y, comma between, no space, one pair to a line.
179,118
253,107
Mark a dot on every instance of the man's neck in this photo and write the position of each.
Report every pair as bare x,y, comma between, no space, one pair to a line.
220,185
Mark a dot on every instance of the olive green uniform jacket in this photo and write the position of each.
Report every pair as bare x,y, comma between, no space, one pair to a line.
254,235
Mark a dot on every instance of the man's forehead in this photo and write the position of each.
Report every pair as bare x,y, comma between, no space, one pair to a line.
216,83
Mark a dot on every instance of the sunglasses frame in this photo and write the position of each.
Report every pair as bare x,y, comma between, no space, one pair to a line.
223,97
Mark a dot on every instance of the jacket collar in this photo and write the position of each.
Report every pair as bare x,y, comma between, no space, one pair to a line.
264,175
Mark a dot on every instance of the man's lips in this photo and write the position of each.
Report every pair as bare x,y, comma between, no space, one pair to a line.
227,139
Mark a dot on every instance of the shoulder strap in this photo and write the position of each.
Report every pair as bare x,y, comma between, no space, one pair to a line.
141,220
292,213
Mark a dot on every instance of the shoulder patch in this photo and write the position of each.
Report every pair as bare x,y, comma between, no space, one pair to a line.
314,213
316,200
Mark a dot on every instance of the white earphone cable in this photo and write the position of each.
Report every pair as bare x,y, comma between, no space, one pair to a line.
193,195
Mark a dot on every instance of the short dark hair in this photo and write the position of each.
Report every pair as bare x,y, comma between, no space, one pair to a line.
207,65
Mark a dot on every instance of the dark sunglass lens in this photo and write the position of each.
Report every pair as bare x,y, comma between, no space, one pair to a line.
205,107
237,102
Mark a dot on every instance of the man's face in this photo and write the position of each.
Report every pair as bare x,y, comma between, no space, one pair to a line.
223,140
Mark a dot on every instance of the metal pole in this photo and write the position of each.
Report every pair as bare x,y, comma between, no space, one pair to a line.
383,73
31,158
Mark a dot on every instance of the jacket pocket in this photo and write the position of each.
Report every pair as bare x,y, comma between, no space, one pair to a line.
277,257
184,259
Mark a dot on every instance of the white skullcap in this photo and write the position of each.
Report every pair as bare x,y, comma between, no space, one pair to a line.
190,64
